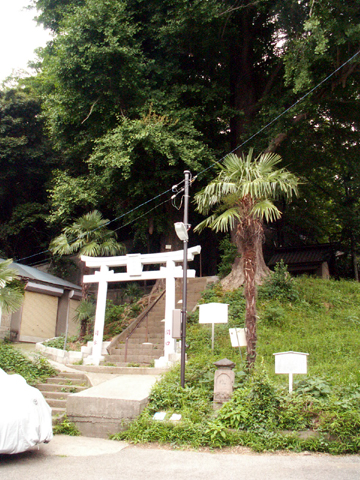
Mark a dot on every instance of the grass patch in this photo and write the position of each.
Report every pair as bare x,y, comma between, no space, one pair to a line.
307,315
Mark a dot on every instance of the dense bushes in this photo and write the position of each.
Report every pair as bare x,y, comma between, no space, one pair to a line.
260,415
13,361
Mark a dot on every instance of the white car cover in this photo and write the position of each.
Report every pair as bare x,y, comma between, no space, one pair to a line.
25,417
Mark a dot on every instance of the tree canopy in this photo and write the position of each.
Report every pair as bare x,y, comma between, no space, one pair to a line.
132,93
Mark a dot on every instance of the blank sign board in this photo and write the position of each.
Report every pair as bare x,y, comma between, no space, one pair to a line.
134,265
238,337
213,313
291,362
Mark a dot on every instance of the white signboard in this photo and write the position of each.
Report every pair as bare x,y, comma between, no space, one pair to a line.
238,337
213,313
291,363
134,265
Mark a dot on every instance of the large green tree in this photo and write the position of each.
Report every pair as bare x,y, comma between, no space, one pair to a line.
225,69
242,197
136,160
26,162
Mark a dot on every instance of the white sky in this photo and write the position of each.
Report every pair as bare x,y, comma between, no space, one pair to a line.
19,36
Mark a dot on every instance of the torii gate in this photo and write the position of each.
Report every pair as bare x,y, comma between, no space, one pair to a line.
134,271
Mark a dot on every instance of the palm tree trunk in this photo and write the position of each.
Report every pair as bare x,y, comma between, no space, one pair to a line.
250,298
236,277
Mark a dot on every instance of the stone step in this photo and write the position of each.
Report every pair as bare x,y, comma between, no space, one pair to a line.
56,395
57,389
137,347
52,387
135,357
157,330
53,403
57,411
73,375
154,332
141,338
127,366
67,381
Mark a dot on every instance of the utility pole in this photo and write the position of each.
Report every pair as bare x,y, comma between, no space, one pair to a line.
184,296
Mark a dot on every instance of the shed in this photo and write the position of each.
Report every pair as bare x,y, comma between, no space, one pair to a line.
48,308
316,259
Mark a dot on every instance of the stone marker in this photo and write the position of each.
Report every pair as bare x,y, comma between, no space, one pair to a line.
223,382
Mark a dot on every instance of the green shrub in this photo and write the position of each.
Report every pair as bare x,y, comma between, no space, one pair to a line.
227,257
66,428
274,315
279,285
59,342
13,361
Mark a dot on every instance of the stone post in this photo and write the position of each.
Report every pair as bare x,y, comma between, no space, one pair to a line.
223,382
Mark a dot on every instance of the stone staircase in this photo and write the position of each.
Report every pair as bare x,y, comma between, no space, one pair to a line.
57,389
147,340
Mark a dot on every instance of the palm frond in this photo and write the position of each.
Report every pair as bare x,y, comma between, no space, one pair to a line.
266,209
222,222
245,181
11,299
7,274
89,236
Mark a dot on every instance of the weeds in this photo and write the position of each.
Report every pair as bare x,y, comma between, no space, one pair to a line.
13,361
306,315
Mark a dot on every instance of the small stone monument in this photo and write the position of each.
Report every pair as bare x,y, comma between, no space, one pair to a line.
223,382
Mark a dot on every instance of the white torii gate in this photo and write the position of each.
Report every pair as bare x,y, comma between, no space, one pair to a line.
134,271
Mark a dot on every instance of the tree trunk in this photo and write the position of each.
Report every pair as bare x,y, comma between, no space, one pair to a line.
249,254
353,258
236,277
249,237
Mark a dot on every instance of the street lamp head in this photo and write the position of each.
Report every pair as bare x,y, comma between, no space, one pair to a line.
181,231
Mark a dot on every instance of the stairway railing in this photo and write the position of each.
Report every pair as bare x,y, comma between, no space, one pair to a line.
144,315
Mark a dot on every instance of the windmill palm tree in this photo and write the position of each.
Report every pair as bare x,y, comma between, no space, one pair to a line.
11,293
242,195
89,236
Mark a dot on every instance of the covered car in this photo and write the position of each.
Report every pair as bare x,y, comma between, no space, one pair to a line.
25,417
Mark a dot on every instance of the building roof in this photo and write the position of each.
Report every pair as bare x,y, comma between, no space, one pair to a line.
307,254
36,275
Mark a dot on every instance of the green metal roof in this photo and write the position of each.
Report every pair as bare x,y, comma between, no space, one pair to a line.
32,273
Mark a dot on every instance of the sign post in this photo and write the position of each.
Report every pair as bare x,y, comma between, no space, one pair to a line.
291,363
213,313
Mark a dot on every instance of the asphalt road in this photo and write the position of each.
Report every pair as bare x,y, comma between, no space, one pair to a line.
77,458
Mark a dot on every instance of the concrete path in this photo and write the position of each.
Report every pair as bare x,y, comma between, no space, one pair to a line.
102,409
77,458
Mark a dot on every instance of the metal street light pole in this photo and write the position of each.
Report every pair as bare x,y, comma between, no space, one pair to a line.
184,296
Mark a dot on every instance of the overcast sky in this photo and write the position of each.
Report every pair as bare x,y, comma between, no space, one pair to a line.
19,36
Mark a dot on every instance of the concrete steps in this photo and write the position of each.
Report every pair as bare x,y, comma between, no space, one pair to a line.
147,343
57,389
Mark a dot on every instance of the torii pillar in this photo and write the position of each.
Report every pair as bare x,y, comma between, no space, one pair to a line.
134,271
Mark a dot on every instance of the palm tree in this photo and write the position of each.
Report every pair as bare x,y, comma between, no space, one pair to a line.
11,293
242,195
87,236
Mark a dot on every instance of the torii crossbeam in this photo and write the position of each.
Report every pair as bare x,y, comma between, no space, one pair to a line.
134,271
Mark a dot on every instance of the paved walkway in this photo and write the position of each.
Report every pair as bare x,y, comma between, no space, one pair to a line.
77,458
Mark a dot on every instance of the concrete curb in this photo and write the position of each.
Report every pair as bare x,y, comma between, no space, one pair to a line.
64,445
